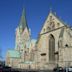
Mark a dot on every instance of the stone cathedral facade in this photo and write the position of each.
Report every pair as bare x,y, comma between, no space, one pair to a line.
52,48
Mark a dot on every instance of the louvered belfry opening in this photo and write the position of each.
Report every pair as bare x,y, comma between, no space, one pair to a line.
51,48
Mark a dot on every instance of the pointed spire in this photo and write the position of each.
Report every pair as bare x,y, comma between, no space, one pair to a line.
23,23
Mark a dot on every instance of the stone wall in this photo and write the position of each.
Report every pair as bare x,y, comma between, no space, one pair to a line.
65,56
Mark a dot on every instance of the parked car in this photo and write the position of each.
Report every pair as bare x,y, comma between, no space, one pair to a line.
68,69
58,69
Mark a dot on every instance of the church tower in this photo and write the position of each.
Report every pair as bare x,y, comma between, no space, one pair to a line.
22,32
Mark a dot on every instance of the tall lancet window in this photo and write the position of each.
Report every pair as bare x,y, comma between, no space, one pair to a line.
51,48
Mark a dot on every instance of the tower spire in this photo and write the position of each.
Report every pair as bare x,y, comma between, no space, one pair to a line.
23,22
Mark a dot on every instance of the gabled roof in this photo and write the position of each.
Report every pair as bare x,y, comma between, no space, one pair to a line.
53,14
61,34
14,54
23,22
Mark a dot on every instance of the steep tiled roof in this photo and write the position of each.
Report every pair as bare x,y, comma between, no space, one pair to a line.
23,22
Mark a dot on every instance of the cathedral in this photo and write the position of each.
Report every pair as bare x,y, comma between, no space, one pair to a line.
52,48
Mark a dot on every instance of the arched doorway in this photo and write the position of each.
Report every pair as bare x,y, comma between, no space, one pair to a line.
51,48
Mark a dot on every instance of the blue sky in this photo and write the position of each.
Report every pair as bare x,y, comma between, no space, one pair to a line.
36,13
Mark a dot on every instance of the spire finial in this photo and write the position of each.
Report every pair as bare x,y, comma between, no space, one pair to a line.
50,9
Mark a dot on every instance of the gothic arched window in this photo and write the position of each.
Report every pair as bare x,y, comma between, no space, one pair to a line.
51,48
